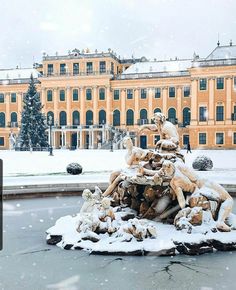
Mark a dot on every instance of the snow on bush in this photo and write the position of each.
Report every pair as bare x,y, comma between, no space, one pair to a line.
74,168
202,163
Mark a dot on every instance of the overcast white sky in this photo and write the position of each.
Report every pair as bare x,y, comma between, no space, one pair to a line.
154,28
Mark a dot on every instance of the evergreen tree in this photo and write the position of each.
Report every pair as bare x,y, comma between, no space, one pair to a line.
33,127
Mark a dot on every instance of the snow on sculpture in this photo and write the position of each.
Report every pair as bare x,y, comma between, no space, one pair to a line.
156,186
12,141
169,136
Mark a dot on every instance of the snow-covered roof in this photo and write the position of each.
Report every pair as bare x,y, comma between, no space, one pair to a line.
223,52
159,66
18,74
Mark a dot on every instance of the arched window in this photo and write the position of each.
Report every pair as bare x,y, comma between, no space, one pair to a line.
172,115
88,94
13,117
63,118
130,117
102,94
157,110
186,116
49,95
2,120
62,95
116,118
143,114
52,115
76,118
89,118
102,117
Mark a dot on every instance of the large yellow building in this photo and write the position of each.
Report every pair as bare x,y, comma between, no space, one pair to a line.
94,97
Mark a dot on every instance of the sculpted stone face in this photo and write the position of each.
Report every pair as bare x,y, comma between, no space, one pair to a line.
158,118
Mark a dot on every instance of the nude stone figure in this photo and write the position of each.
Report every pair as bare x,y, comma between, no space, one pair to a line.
185,179
166,130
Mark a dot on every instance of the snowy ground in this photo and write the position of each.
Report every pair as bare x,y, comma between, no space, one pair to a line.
39,167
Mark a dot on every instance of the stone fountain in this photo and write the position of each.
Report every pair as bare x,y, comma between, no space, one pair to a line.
156,205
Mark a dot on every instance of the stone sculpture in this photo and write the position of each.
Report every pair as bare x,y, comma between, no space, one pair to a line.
156,185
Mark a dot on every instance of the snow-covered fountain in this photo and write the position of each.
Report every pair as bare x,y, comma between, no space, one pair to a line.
157,205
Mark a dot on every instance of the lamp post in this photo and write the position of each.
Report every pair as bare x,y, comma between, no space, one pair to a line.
50,135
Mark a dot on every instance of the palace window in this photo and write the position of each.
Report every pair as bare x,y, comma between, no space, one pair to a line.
202,114
75,69
234,138
143,116
203,84
76,118
2,120
1,141
220,83
52,115
1,98
116,95
102,118
49,95
116,118
234,83
62,95
186,117
143,93
50,69
13,97
112,68
171,92
185,140
129,94
62,69
157,93
130,117
219,113
88,94
202,138
89,118
13,117
89,68
157,110
63,118
219,138
233,117
172,116
102,94
186,91
102,67
75,95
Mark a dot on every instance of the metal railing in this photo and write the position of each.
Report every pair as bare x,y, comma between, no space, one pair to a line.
215,62
13,124
80,74
150,75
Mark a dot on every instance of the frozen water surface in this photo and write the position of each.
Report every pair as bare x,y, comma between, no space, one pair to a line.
27,262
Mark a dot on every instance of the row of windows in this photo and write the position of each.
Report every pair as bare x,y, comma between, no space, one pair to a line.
219,138
129,117
3,119
203,113
75,95
143,117
116,95
219,83
13,98
76,68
